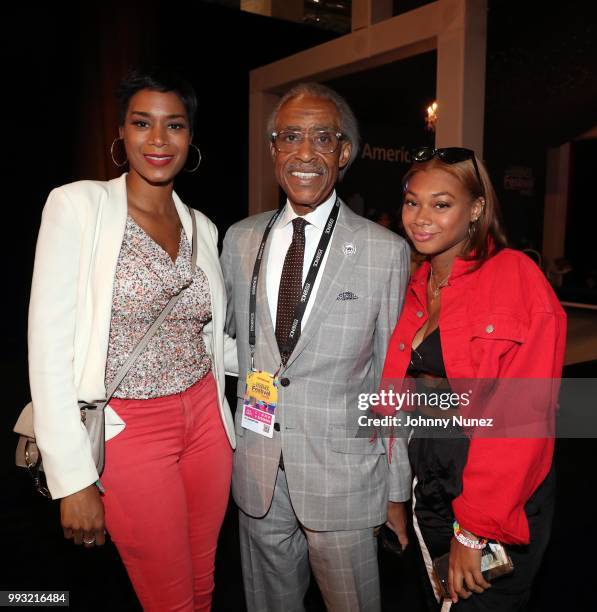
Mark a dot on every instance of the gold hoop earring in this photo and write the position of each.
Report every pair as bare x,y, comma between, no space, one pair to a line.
112,153
198,158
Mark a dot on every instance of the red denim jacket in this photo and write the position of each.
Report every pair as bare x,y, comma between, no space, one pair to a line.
502,320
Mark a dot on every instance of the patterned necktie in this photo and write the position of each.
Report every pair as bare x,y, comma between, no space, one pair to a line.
291,285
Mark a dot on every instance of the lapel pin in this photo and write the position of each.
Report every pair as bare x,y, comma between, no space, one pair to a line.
349,248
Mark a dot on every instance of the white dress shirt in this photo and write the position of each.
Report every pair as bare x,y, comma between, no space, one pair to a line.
281,237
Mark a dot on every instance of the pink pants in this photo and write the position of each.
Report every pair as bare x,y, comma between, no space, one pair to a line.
167,480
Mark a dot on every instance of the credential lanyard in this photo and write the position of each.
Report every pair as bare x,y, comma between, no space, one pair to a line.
299,310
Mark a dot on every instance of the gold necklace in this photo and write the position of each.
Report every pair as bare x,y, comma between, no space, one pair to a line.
435,290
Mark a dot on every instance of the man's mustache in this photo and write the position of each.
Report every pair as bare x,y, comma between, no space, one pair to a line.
309,168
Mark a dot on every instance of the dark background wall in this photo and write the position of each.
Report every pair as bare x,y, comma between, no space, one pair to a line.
541,92
390,103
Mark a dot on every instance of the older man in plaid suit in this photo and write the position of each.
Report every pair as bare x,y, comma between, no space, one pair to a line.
314,295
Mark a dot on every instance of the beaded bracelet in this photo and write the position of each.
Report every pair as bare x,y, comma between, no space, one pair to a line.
468,542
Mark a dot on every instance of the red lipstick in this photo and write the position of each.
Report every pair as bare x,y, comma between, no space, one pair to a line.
158,160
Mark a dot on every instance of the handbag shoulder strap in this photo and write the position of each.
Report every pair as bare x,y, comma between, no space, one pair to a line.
194,239
126,366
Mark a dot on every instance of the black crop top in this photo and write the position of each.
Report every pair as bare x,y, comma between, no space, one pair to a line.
427,357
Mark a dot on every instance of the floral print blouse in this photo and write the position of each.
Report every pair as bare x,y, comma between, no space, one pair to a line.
146,278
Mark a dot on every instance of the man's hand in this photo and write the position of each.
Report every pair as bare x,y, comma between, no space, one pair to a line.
464,575
82,517
397,520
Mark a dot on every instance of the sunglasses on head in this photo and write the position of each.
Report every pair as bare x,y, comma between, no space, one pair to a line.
449,155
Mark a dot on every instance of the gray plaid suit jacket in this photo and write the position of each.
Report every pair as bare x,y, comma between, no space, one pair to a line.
336,481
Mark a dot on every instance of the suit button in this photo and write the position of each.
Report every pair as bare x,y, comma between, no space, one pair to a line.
419,313
489,329
277,426
284,382
401,346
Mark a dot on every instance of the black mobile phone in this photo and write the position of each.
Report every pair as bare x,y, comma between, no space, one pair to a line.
389,540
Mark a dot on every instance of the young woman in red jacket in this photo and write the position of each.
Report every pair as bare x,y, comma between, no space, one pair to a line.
476,310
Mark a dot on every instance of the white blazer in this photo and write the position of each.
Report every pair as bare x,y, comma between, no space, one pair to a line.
79,241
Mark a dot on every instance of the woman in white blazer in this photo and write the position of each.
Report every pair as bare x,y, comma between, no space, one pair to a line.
109,255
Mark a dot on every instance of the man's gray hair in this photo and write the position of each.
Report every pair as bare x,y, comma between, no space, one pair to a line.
348,122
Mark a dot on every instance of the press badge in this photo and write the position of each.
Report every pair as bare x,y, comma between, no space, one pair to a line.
259,403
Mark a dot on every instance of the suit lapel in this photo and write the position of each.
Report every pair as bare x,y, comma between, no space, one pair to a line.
206,253
187,224
112,221
264,317
204,239
337,272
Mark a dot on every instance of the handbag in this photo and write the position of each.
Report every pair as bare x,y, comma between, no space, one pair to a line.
27,453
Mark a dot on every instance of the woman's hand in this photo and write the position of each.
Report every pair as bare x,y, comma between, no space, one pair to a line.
82,517
464,574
